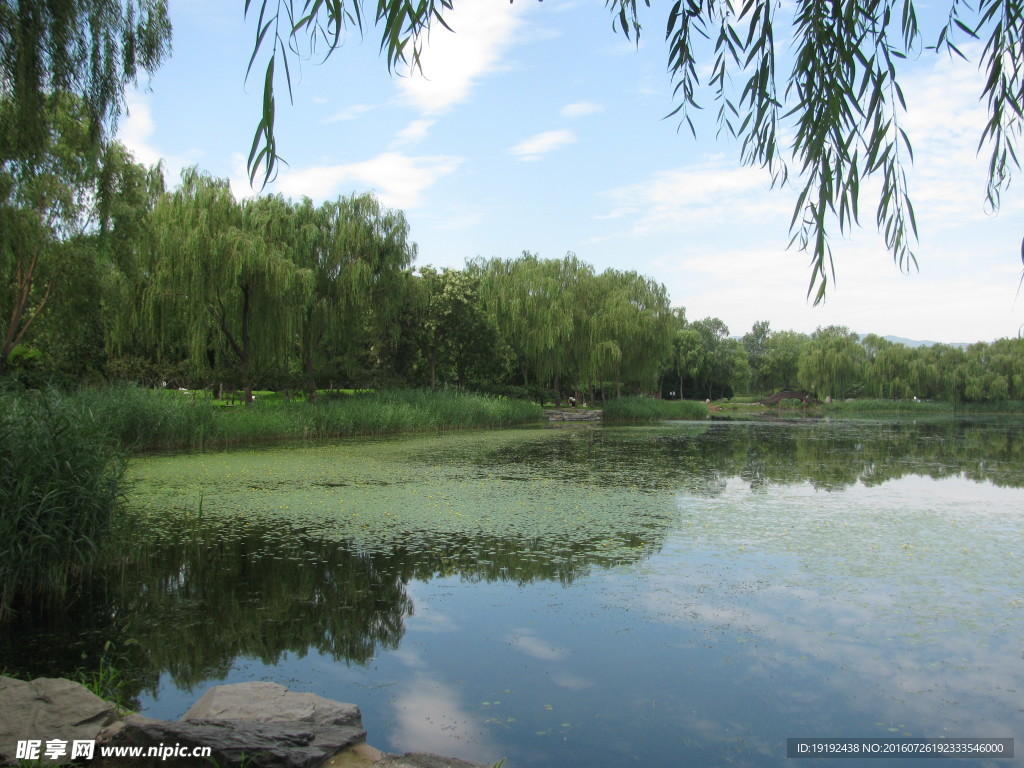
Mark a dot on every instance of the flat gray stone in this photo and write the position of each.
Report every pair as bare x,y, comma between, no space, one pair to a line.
271,703
236,742
46,709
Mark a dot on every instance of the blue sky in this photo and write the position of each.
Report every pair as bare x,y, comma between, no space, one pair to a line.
536,127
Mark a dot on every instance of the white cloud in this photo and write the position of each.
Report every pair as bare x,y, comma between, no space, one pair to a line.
711,191
580,108
350,112
452,62
136,132
398,180
414,131
540,144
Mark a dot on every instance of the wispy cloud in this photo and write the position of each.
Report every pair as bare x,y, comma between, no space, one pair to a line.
350,112
711,191
540,144
414,131
580,108
399,180
453,61
136,132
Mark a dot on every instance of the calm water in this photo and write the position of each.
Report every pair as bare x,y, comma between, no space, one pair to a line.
678,594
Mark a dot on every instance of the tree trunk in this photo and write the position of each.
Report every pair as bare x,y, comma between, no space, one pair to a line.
246,346
307,368
307,356
21,317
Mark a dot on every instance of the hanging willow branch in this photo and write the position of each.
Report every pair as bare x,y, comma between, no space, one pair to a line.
842,99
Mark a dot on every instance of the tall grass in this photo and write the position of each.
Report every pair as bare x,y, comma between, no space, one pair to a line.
649,409
142,419
869,405
146,420
60,482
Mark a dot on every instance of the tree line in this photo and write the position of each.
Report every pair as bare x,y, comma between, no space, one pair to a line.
109,274
837,363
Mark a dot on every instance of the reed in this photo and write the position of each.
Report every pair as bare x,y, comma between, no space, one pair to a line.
148,420
871,405
141,419
649,409
60,482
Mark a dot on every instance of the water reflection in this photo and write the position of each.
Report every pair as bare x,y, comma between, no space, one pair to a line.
830,455
582,597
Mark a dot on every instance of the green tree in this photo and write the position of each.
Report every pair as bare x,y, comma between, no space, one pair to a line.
90,50
782,354
221,275
535,305
356,251
888,372
688,358
47,205
124,272
755,341
635,318
843,105
831,363
457,336
717,357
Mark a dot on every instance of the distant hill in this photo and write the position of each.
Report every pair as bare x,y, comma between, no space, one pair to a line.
916,343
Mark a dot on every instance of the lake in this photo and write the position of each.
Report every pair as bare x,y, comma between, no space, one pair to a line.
679,594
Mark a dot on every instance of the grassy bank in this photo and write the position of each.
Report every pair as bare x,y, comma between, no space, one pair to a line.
649,409
868,406
746,407
147,420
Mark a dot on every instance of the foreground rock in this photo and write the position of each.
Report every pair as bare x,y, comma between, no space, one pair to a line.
271,703
256,725
48,708
263,725
235,742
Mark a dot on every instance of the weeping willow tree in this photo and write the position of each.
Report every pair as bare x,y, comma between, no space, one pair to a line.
567,327
832,363
635,317
220,278
64,65
45,203
841,108
356,252
535,304
125,274
91,50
